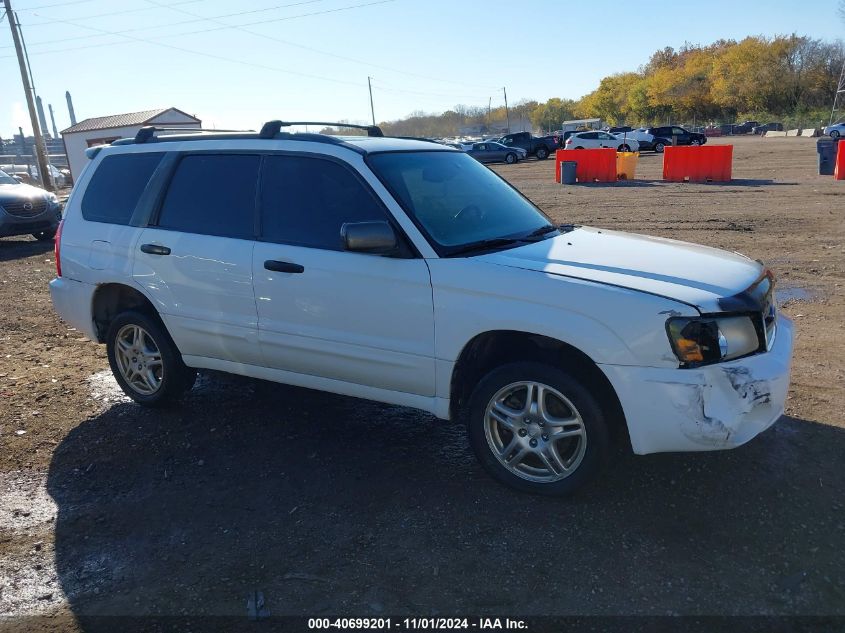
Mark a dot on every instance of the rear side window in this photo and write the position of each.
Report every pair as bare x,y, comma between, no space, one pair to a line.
305,201
116,186
212,194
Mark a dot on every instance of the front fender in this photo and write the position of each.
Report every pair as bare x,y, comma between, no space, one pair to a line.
608,323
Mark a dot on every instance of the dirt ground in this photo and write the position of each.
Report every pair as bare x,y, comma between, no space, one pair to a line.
331,505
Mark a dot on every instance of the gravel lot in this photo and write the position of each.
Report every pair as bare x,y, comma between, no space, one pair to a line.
331,505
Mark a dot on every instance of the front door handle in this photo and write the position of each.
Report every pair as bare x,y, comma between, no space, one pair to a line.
283,267
155,249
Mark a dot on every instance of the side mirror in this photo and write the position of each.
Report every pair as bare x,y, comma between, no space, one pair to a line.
368,237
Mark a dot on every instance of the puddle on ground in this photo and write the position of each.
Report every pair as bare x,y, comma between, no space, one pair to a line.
29,584
795,293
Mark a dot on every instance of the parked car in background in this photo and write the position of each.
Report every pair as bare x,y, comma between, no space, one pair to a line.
28,174
594,139
493,152
679,134
836,130
648,142
746,127
539,146
768,127
615,130
27,210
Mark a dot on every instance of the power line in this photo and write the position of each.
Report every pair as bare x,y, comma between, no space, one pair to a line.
158,26
109,14
228,59
219,28
307,48
56,4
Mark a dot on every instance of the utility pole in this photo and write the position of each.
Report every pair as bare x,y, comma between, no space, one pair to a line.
40,148
372,109
507,112
839,96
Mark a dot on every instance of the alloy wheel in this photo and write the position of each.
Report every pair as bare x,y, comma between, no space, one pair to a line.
535,432
139,359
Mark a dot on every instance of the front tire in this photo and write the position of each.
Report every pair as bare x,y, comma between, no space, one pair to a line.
623,148
542,153
834,134
510,159
659,147
145,361
537,429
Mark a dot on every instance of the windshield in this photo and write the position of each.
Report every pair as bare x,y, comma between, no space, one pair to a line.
455,199
6,179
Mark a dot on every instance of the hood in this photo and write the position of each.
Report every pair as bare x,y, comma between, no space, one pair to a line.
19,191
693,274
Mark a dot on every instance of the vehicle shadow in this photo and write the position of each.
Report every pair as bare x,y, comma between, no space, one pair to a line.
22,247
336,506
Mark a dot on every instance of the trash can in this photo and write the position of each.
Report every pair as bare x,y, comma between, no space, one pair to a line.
568,169
826,147
626,165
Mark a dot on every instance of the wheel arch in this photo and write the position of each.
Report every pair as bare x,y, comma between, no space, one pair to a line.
488,350
110,299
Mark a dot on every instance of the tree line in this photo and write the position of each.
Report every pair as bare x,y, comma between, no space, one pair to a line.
784,78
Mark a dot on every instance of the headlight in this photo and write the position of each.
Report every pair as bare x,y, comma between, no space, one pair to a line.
712,339
52,199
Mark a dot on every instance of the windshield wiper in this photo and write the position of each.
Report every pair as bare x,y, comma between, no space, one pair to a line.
542,231
482,245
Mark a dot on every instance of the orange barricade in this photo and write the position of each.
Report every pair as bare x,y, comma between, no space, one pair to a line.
698,163
839,169
594,165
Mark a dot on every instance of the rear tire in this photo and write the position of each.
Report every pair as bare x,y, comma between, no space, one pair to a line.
516,442
145,361
579,147
542,153
45,236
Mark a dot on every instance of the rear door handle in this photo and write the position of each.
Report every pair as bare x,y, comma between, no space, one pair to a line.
283,267
155,249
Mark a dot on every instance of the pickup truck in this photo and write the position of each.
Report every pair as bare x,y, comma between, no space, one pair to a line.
539,146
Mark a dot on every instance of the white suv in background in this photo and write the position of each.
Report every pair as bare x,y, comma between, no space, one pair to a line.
408,273
597,139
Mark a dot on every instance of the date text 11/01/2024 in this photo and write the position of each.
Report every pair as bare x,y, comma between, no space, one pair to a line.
431,624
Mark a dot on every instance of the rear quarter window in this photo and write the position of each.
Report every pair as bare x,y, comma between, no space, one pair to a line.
116,186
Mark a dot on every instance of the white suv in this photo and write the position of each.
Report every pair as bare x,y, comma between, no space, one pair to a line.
408,273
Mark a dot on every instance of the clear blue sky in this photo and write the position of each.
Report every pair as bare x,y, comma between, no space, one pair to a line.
309,59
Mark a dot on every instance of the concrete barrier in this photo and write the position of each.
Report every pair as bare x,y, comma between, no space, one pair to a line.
793,132
771,133
811,132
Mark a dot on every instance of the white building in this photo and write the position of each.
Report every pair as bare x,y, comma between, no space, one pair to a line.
105,129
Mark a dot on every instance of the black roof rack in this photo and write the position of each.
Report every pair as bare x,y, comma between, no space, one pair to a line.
147,132
271,128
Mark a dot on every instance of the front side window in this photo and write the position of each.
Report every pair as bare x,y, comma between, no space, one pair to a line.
117,185
212,194
305,201
456,200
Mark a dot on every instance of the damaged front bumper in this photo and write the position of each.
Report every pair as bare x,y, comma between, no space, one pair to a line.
708,408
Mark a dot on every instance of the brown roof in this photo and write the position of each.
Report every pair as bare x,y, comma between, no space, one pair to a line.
119,120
